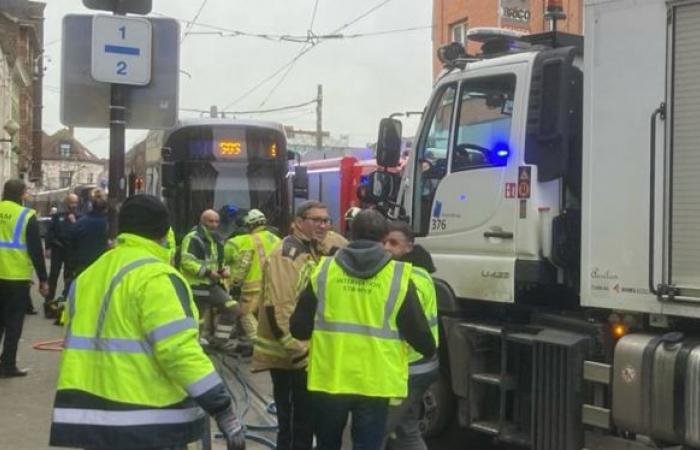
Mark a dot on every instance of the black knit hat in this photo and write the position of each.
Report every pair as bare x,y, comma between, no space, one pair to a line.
144,215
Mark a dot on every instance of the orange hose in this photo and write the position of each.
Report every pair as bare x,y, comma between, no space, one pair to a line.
55,345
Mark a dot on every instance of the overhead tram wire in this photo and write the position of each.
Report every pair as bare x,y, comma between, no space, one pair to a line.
305,51
255,111
191,24
310,43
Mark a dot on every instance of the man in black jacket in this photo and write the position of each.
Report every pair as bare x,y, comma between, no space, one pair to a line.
58,245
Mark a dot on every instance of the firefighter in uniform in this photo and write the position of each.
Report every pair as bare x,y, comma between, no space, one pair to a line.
359,310
132,373
403,425
286,273
246,254
201,263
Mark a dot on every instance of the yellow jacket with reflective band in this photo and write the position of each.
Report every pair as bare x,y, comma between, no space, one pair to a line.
355,345
15,263
194,266
132,363
425,288
246,254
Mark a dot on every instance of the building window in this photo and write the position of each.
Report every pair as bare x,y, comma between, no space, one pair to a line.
90,178
65,178
458,31
64,149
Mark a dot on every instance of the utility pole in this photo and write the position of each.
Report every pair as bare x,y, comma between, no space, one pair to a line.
319,119
213,112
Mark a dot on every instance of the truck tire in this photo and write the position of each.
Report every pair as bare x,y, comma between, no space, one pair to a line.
438,408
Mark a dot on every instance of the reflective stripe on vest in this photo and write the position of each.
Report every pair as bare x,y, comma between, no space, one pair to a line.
125,418
365,330
16,242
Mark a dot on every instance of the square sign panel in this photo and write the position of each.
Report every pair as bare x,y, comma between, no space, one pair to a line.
121,6
121,50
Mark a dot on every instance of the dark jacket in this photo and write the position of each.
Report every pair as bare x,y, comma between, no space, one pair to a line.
60,230
364,259
89,239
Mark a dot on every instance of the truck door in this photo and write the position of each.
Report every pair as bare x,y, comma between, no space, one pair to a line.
464,195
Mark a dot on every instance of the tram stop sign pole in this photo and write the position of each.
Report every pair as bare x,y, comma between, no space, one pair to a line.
121,56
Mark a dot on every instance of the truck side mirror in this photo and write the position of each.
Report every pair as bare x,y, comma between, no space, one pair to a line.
389,143
291,155
300,182
555,109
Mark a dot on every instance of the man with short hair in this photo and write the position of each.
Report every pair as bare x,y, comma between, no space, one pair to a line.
21,254
360,309
132,374
246,255
58,245
403,426
201,264
286,273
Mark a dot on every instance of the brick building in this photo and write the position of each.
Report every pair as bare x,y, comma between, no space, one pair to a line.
453,18
21,72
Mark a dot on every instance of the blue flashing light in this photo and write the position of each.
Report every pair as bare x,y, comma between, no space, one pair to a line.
502,153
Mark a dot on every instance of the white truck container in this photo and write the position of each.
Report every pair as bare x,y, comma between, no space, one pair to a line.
557,187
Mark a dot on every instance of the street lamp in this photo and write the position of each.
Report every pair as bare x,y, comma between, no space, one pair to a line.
11,127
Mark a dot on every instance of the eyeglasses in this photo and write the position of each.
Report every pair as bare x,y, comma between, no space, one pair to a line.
319,220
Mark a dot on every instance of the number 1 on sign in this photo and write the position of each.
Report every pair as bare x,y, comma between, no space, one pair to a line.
122,30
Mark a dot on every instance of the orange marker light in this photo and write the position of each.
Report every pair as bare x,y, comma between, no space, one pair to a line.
273,151
619,330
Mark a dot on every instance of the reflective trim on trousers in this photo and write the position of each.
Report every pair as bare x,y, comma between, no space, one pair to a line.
202,385
169,329
125,418
107,344
423,367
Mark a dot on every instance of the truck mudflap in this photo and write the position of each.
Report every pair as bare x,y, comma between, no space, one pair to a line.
656,387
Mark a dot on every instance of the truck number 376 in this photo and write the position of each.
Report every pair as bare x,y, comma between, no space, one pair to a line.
438,224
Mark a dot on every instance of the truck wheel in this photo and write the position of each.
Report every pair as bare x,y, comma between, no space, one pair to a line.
438,408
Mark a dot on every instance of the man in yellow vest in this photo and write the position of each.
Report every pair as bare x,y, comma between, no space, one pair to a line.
246,255
403,420
359,310
132,374
201,263
21,254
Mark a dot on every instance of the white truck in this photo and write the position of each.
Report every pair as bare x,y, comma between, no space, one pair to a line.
557,186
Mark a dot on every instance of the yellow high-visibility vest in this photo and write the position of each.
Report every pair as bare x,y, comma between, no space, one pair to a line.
355,346
15,263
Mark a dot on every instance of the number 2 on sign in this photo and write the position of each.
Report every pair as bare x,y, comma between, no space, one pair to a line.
121,68
122,30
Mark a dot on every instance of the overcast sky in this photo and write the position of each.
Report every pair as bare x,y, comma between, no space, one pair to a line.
363,79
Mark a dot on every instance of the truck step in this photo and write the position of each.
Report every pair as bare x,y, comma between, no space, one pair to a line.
494,379
493,330
487,427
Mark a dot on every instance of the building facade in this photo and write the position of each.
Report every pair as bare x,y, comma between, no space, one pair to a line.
21,73
67,163
452,19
